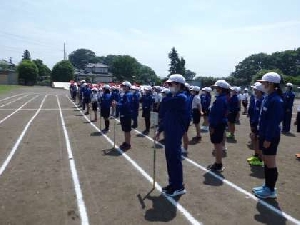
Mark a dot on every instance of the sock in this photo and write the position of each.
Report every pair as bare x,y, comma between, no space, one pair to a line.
273,173
266,176
106,124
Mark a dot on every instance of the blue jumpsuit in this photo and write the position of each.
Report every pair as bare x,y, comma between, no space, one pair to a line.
125,105
255,114
288,101
174,123
147,103
115,95
233,107
135,108
105,105
251,109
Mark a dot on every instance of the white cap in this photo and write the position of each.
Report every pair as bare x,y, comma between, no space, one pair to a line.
203,89
84,84
148,88
191,87
221,84
176,78
258,86
126,83
196,88
208,89
246,89
82,81
234,89
256,83
187,85
271,77
289,85
94,89
106,86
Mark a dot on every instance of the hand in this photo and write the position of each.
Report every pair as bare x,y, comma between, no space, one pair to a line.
267,144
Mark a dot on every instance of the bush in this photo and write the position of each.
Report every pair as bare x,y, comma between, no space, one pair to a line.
27,71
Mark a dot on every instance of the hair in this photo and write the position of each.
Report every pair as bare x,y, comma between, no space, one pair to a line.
278,89
107,91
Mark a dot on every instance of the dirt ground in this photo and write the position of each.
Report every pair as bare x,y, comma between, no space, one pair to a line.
37,183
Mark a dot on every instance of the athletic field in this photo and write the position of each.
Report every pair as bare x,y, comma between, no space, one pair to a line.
57,168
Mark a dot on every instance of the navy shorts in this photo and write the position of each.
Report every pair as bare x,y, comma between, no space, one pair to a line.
232,117
105,112
126,123
196,116
272,150
94,106
217,136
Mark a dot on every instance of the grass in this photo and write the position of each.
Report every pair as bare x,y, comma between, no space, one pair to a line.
7,88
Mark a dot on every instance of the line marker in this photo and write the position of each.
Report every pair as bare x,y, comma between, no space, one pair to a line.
239,189
5,118
15,147
13,101
4,99
177,205
79,196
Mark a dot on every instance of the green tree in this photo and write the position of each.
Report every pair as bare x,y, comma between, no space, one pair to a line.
81,57
27,71
125,67
63,71
189,75
26,55
147,76
177,65
43,70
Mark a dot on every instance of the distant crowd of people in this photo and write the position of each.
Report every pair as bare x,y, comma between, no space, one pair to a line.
177,104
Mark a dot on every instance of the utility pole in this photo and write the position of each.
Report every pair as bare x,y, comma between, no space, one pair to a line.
65,58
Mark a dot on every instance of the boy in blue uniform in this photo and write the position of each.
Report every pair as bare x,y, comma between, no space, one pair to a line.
256,159
147,101
87,98
205,98
125,105
174,125
217,122
188,105
269,133
233,107
105,105
135,105
288,101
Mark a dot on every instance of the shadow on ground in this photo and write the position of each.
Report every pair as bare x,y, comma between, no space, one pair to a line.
111,152
211,180
257,171
96,134
162,210
266,216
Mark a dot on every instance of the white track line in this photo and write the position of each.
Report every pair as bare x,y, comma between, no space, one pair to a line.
239,189
15,147
4,99
13,101
66,109
177,205
5,118
79,197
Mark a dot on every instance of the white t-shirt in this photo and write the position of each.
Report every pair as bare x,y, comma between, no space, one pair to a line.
196,102
94,97
243,96
158,97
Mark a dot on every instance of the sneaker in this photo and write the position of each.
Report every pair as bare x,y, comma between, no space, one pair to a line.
256,162
252,158
173,193
125,146
216,167
166,188
266,193
230,136
259,188
197,138
145,132
86,113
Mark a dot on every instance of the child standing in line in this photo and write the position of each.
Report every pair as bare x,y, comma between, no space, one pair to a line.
217,122
196,111
105,105
233,107
269,133
94,100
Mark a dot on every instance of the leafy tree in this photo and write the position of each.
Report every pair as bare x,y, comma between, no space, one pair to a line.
177,65
43,70
81,57
27,71
125,67
147,76
26,55
63,71
189,75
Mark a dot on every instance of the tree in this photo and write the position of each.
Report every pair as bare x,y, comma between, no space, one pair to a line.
81,57
146,76
43,70
125,67
63,71
189,75
177,66
26,55
27,71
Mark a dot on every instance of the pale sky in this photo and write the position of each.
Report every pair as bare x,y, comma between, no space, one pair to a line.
212,35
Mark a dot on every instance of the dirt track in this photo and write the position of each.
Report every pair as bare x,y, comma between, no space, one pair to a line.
37,185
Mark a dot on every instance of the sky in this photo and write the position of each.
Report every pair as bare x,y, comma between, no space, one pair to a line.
213,36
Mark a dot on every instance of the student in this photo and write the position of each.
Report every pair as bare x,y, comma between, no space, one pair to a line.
125,106
217,122
147,102
105,105
240,97
174,126
269,133
256,159
135,105
205,105
188,105
157,98
94,101
233,107
288,101
196,111
244,99
87,98
297,123
250,113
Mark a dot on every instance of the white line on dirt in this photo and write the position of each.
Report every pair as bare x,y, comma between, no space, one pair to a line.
66,109
13,101
239,189
5,118
79,196
15,147
180,208
4,99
